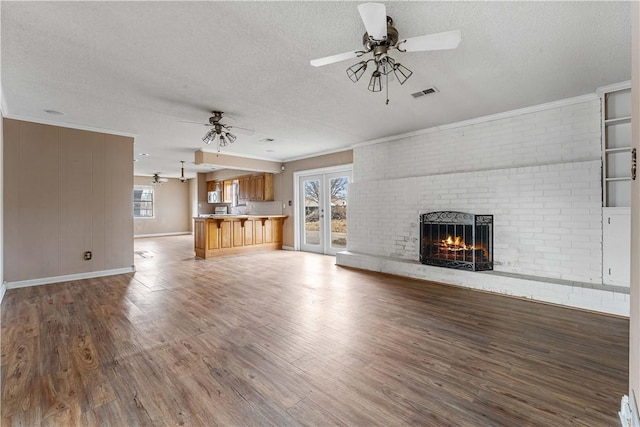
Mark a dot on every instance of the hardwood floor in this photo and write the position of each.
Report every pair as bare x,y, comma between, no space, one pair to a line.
288,338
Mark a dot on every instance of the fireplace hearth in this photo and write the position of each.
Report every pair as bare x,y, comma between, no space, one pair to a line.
457,240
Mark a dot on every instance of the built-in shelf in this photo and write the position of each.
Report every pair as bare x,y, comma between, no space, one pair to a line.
617,150
616,186
616,147
621,178
617,120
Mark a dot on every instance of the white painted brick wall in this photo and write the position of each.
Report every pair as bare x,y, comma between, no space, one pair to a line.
559,135
537,173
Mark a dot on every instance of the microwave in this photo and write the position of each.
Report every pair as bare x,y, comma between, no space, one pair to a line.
214,196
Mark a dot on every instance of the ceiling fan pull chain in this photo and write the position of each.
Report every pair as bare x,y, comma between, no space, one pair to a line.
387,103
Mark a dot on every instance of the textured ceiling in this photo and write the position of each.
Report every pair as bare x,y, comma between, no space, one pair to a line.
140,68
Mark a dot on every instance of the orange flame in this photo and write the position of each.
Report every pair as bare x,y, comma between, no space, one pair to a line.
456,243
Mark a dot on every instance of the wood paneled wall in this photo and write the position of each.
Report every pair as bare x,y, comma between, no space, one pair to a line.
66,191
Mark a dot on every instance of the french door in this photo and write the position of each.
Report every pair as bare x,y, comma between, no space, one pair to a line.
322,211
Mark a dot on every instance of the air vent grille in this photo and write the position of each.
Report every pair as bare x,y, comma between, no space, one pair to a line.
424,92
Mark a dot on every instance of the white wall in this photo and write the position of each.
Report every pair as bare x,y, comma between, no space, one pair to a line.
537,170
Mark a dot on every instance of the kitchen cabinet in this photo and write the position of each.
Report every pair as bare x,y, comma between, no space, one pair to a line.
258,232
211,186
224,235
243,187
257,188
267,187
252,188
227,191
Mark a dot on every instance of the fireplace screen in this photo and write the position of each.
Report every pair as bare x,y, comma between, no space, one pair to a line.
457,240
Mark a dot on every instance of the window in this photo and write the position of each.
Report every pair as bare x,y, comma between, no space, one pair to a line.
142,201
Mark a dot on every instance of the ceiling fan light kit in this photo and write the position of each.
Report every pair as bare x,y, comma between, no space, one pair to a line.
381,36
220,134
157,180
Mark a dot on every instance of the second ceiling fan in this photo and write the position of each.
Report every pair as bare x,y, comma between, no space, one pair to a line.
380,38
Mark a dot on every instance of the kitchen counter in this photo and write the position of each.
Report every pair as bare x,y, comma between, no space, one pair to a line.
219,235
231,216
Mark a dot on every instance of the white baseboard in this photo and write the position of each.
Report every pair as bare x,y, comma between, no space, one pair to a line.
601,298
177,233
3,289
68,277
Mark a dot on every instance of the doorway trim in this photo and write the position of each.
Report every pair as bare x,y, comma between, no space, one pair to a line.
296,192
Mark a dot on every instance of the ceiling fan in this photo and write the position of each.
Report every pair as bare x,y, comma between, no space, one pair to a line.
380,38
220,132
157,180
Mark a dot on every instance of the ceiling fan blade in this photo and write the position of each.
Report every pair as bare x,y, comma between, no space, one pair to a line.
374,18
243,131
192,122
334,58
439,41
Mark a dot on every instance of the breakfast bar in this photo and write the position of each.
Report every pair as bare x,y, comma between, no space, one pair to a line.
219,235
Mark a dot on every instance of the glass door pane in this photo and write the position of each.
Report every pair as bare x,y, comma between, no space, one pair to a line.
338,216
312,214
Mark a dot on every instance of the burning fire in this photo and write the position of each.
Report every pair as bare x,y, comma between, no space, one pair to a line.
456,244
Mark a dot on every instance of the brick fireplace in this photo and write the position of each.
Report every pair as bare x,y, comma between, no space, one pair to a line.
457,240
538,171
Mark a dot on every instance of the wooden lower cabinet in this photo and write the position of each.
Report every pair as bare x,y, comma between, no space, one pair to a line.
258,232
248,232
268,232
238,233
227,235
276,231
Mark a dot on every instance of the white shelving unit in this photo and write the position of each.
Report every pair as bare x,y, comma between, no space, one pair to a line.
616,138
616,184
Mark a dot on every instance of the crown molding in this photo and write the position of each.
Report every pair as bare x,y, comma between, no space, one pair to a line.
68,125
321,153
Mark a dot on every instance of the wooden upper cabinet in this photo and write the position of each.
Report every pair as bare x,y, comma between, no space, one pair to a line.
243,187
227,191
257,188
268,195
211,186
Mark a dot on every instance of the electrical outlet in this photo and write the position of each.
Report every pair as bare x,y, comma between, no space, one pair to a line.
87,255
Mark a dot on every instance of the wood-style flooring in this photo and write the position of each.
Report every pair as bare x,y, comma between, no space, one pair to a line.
288,338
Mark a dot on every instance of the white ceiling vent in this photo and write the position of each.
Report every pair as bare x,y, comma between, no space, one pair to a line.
424,92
